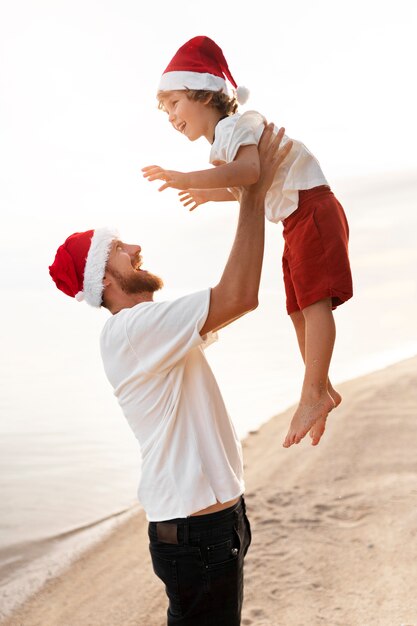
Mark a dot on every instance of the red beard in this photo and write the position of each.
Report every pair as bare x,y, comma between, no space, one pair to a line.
138,282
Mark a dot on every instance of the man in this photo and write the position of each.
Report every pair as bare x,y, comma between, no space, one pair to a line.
191,483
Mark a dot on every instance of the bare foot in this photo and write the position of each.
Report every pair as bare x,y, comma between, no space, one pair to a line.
319,427
317,430
306,416
336,397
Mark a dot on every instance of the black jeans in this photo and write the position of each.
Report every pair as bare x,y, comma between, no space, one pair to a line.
200,561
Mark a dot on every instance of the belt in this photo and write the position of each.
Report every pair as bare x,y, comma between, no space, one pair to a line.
167,532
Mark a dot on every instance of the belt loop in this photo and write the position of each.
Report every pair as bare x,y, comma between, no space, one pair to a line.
186,530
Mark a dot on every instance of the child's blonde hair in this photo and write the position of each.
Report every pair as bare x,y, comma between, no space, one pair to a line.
226,105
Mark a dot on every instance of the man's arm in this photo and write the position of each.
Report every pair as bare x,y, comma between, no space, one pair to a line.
244,170
237,291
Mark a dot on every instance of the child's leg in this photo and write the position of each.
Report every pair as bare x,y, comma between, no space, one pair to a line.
298,320
316,339
318,428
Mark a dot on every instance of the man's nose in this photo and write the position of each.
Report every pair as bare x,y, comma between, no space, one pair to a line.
172,117
134,249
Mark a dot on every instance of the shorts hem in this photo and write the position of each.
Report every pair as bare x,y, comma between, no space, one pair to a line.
337,297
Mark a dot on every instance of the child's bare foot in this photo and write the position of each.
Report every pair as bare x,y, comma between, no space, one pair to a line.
317,430
319,427
306,417
335,395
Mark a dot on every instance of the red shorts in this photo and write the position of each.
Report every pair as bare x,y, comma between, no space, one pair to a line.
316,259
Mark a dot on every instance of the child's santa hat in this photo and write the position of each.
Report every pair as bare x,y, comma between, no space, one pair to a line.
80,263
200,64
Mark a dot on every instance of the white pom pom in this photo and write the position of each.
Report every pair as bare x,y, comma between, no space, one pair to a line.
242,94
79,296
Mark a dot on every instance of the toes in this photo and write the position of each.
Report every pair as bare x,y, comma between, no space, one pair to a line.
299,437
318,433
316,439
289,439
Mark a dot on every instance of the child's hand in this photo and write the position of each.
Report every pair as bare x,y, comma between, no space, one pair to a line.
236,193
176,180
194,197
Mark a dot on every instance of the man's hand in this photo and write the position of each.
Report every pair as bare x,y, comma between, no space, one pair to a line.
271,155
173,179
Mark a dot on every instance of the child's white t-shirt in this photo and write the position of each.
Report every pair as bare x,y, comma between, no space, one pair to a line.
300,170
153,357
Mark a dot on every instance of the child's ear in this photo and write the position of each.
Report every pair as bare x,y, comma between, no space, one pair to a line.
208,98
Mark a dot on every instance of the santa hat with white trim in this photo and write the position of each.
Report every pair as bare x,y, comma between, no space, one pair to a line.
200,64
80,263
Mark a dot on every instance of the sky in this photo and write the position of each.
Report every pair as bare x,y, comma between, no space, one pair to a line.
78,115
78,121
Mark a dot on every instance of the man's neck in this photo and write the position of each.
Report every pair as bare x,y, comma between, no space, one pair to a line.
127,301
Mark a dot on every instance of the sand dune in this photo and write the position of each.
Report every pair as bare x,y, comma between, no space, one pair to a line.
334,528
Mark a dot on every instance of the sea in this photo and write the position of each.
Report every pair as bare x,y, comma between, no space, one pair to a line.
69,464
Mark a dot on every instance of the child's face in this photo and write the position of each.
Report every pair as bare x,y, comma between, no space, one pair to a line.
189,117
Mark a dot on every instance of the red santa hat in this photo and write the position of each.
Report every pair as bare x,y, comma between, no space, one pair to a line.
200,64
80,263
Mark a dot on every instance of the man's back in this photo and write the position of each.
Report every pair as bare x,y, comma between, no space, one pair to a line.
153,357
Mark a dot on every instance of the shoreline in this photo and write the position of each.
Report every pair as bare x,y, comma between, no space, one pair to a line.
332,527
47,559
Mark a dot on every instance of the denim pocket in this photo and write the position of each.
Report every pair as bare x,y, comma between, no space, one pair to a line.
224,552
248,535
219,552
166,570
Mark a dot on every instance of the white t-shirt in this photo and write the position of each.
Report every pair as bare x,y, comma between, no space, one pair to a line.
300,170
153,357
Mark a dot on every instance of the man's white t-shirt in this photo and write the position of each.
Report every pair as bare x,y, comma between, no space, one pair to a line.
300,169
153,357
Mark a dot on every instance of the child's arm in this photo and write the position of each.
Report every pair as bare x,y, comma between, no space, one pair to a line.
196,197
244,170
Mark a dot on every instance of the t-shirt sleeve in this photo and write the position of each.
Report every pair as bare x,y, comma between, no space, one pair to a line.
161,333
218,150
247,132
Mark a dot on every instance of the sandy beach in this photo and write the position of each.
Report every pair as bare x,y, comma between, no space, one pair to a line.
334,528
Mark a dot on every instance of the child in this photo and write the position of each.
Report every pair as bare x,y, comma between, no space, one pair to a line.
317,277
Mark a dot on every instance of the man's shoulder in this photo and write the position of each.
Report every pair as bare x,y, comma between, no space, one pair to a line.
117,323
146,314
156,332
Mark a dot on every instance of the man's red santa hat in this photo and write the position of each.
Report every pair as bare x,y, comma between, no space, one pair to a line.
80,264
200,64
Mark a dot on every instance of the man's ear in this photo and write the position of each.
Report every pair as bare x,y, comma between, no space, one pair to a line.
106,280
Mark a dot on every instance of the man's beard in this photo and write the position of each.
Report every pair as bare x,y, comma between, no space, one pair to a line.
136,283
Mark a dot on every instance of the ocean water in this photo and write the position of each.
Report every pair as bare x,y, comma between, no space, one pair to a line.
69,465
